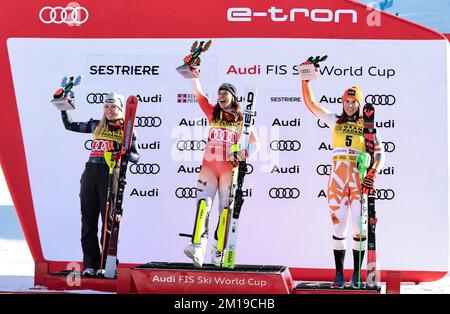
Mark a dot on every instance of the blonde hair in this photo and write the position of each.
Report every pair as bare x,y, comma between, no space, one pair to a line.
103,123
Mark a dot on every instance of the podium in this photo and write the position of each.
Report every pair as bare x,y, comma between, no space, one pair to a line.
183,278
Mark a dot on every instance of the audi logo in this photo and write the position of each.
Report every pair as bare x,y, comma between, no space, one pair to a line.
323,170
186,192
148,122
322,124
284,192
144,168
71,15
389,147
384,194
96,98
223,136
191,145
285,145
383,100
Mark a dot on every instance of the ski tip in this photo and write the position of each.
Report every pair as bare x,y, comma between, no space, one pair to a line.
132,100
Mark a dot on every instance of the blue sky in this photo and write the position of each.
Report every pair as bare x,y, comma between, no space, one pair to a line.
434,14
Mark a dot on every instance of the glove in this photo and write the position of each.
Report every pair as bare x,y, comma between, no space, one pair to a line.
236,157
369,180
112,146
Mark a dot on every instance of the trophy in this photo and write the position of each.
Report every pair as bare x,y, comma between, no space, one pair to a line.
308,70
191,66
64,98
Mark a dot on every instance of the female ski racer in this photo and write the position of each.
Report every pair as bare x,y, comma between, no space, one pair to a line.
225,124
107,136
344,184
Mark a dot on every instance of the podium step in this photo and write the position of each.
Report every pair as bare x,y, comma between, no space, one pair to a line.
184,278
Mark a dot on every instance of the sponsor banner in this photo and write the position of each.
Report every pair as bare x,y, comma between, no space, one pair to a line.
285,190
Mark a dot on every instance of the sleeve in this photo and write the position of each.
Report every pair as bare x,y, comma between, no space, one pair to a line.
329,118
379,154
133,154
81,127
205,104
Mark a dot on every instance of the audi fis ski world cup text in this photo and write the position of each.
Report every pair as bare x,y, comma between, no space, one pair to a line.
209,280
284,69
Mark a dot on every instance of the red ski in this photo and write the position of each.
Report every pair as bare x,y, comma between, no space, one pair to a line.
116,214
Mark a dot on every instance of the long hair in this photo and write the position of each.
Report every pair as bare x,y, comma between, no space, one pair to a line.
104,123
343,118
235,106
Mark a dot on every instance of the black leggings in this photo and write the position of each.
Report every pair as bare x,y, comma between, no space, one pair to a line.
93,191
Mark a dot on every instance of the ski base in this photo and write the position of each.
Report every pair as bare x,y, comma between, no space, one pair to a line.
325,288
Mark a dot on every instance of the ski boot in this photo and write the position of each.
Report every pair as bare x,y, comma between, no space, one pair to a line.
354,281
339,281
196,252
89,272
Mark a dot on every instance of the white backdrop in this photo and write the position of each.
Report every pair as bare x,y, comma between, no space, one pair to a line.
412,233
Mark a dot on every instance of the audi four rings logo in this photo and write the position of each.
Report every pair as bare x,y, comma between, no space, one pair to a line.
284,193
148,122
223,135
186,192
389,147
384,194
71,15
383,100
96,98
285,145
191,145
144,168
323,170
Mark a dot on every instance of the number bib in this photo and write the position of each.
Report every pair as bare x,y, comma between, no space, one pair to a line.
349,135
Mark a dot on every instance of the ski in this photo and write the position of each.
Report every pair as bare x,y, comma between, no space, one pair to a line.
116,214
108,220
229,220
369,138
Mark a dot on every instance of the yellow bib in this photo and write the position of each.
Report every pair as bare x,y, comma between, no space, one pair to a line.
108,135
349,135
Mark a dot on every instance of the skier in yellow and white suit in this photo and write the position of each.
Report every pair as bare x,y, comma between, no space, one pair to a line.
344,184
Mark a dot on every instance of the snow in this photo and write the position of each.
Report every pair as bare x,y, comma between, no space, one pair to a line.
434,14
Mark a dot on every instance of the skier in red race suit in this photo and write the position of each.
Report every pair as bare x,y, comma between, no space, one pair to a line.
225,124
107,136
344,184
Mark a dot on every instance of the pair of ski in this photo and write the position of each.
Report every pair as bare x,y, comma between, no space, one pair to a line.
108,261
368,218
229,217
